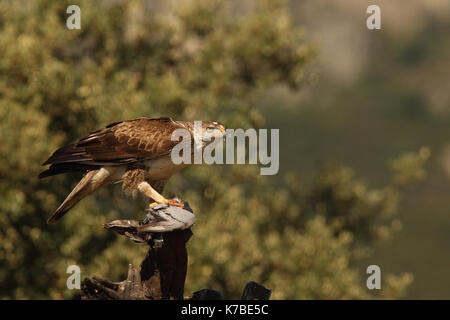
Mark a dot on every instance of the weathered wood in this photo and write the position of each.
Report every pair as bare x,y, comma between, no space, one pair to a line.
206,294
255,291
96,288
162,273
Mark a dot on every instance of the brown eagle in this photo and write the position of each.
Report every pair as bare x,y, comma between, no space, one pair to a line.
134,152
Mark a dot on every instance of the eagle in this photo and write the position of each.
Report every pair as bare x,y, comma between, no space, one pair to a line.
135,152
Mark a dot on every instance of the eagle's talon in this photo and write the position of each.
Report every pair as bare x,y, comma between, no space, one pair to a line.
167,202
175,203
153,204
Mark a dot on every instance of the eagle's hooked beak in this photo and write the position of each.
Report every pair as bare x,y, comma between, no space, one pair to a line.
224,134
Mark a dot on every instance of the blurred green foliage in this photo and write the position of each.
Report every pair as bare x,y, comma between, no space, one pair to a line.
198,60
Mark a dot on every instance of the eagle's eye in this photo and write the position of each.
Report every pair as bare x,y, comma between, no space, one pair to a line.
210,129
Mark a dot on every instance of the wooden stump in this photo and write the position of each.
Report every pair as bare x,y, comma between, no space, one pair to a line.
162,273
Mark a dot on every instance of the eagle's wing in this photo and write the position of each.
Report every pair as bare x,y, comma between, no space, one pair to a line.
118,143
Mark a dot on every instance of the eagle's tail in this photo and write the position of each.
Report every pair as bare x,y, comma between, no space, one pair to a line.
89,184
58,168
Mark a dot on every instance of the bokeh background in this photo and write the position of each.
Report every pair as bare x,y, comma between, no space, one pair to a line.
364,119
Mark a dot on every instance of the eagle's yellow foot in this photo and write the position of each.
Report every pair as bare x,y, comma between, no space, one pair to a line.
151,205
169,202
175,203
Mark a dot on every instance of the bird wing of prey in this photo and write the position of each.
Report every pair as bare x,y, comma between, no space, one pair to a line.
119,143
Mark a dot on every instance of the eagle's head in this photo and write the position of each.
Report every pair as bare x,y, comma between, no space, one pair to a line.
212,129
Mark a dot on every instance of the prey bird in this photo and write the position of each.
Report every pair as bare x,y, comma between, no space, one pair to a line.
135,152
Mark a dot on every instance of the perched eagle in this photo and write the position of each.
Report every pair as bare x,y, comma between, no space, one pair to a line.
134,152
